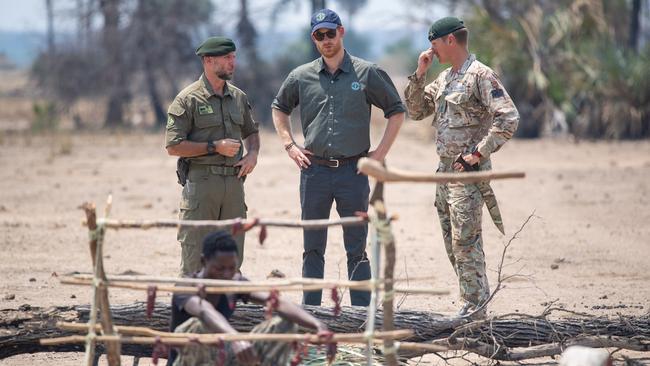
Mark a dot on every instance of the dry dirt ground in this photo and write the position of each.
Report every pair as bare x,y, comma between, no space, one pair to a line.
587,246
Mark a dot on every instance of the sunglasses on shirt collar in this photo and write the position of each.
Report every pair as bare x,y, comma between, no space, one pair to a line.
331,34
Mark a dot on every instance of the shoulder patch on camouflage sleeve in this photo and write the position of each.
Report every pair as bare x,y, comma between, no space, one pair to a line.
497,92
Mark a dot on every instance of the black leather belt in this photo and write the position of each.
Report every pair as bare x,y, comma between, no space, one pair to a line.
335,162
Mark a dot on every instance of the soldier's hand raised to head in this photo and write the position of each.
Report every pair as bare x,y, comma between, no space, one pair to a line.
424,62
228,147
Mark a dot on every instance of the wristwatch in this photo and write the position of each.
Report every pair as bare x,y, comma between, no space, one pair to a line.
211,148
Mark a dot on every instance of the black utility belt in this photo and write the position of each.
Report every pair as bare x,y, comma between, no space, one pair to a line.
335,162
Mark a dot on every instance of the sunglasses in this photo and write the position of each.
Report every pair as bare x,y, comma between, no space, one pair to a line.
331,34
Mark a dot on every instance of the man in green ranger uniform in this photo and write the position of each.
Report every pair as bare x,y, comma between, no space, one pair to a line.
474,116
209,123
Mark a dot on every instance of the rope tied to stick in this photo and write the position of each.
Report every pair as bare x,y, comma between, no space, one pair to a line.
391,350
92,235
263,234
151,299
221,353
337,301
159,350
272,303
332,347
389,295
300,350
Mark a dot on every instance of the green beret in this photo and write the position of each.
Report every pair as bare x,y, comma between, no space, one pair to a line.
216,46
444,26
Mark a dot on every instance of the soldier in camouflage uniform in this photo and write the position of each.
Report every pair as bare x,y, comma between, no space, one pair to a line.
207,122
208,315
474,116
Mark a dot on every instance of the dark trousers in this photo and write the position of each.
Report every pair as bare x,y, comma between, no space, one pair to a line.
319,187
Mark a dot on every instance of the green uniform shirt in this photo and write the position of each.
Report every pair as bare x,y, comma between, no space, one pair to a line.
335,109
198,114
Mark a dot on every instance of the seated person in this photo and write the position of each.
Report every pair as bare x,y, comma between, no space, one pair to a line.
192,314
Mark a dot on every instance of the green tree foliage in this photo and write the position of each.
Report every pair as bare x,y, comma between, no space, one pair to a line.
567,65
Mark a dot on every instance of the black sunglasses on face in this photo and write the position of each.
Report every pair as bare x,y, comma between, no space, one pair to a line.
331,34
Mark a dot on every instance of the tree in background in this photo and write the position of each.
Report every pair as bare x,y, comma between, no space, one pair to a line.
142,48
579,70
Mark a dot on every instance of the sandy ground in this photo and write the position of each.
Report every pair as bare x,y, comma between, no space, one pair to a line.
587,246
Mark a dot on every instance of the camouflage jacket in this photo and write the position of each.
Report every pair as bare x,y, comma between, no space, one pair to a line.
471,109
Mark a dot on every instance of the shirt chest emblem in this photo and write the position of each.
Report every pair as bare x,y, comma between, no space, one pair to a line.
355,85
205,109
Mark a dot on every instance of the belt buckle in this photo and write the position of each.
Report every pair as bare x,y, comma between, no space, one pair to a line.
338,163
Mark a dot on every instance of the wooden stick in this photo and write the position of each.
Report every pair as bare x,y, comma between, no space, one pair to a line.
224,224
496,352
91,216
374,169
100,294
274,282
243,288
182,339
100,291
375,263
381,223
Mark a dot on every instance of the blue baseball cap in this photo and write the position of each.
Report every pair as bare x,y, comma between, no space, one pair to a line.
325,18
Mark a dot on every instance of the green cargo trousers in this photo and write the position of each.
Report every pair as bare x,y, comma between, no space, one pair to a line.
211,193
459,209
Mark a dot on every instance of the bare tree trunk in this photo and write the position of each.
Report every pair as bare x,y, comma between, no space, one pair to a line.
21,329
635,25
50,27
247,33
145,18
115,72
81,10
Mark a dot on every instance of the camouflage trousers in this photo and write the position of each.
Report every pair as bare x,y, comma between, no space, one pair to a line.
459,209
269,353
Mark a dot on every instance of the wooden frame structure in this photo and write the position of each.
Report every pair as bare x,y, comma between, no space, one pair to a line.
382,237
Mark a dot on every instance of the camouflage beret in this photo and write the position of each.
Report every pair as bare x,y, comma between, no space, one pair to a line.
445,26
216,46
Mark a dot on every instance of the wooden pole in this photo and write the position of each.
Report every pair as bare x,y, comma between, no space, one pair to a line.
381,223
100,290
374,169
271,282
246,288
372,308
226,224
146,335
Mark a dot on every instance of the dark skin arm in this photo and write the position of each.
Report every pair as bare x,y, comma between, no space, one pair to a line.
291,311
217,323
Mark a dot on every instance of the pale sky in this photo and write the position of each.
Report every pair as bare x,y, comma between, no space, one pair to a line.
25,15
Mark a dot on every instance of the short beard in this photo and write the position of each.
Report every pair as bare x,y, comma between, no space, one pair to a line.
224,75
334,50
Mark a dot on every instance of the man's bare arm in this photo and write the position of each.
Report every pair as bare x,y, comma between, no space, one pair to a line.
390,134
283,127
190,149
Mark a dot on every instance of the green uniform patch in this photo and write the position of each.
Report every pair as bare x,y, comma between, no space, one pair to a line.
205,109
